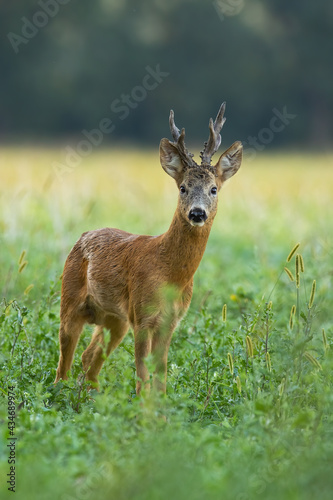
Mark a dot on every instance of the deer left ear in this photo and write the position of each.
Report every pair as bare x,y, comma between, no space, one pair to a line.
229,161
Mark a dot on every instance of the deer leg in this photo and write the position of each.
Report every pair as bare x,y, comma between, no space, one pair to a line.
88,354
160,348
142,349
93,357
69,335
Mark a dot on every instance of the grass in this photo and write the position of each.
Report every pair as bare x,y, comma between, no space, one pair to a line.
249,401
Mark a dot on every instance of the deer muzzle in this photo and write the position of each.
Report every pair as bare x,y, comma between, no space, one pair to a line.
197,216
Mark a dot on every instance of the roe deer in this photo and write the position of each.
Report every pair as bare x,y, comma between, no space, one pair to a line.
115,279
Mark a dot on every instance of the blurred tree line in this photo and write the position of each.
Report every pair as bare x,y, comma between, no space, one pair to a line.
67,65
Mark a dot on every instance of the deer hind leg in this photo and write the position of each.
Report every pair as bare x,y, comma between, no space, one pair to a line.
69,335
93,357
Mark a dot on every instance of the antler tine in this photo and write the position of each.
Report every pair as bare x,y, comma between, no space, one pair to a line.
214,141
174,130
219,120
179,138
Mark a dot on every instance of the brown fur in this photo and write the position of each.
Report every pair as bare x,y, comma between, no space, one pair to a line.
115,279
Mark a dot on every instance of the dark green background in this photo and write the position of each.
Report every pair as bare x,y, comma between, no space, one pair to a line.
256,55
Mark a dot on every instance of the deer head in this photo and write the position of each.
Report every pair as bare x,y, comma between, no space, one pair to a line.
199,184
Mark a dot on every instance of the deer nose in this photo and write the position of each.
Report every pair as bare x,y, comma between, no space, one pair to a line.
197,215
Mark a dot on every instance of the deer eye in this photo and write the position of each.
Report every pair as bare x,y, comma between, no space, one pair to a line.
213,191
182,189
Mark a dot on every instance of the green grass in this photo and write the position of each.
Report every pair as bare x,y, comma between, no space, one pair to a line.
249,400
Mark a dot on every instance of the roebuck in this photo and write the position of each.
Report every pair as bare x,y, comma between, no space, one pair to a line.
115,279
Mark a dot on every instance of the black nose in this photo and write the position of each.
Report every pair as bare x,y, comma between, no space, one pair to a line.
197,215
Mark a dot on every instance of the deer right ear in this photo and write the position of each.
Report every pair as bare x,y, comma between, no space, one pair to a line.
170,160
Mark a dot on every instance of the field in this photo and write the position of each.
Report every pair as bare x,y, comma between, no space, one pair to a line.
249,400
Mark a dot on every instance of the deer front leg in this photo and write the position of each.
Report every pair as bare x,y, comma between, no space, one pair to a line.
160,348
142,349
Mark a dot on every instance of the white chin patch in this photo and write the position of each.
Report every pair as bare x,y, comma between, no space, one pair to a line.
197,224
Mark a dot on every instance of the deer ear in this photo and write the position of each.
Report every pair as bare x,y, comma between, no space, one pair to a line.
229,161
170,159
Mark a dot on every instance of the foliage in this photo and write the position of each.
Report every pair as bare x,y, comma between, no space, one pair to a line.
249,405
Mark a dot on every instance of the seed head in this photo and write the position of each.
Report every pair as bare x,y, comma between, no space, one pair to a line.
292,317
298,280
297,264
249,346
312,360
230,363
224,313
282,386
301,262
326,344
293,251
23,254
312,294
22,266
289,274
27,290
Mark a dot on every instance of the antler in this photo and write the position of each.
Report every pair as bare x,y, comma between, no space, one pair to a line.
214,141
179,138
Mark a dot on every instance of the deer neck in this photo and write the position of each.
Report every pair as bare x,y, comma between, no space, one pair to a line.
182,248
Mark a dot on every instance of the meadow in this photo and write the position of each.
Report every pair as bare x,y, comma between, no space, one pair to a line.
249,399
